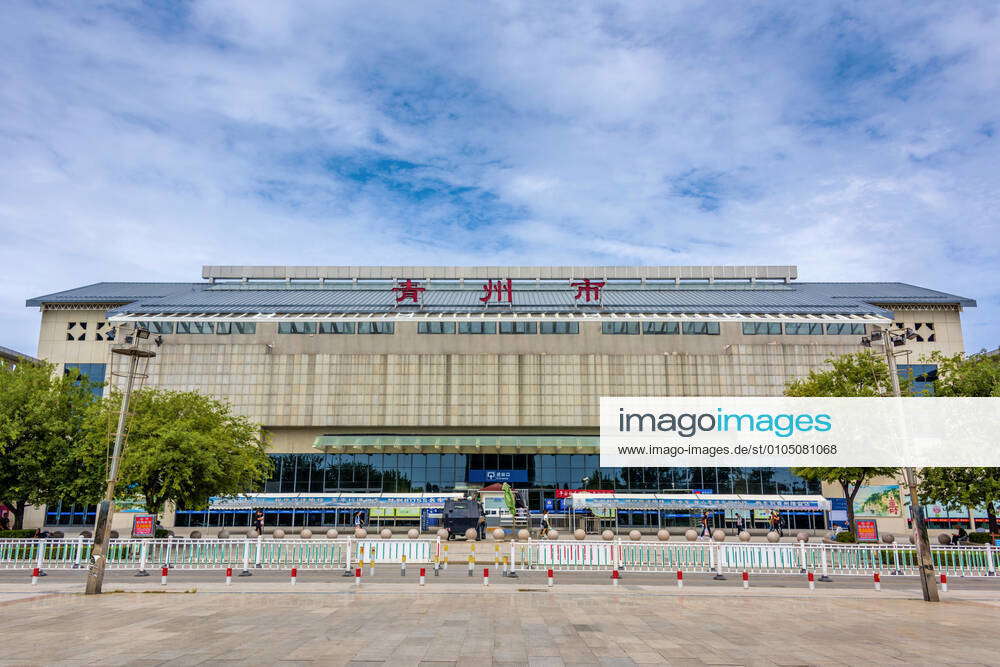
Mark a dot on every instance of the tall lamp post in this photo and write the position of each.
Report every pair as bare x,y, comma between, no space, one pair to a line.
105,510
924,560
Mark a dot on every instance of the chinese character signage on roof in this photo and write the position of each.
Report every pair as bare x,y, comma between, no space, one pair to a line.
408,290
500,291
588,290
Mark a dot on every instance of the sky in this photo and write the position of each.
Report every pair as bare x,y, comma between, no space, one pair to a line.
856,140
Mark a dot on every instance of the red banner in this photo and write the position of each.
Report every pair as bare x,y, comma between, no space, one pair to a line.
866,530
566,493
144,526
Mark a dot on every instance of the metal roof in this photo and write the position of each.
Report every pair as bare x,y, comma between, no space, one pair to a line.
15,356
219,298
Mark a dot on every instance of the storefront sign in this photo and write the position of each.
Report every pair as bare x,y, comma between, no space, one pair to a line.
495,476
866,530
144,525
567,493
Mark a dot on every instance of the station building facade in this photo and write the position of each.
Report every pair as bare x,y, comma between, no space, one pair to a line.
438,379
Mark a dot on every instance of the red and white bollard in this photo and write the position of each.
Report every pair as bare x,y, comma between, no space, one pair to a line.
878,581
163,575
486,576
550,578
34,577
812,581
295,574
614,577
229,576
423,573
357,576
944,582
746,579
680,579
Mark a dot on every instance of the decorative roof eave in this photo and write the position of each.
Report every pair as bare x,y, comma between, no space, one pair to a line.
857,318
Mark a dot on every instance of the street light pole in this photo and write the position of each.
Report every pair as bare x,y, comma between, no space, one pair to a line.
924,559
105,510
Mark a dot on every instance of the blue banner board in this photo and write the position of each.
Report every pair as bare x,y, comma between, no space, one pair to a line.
497,476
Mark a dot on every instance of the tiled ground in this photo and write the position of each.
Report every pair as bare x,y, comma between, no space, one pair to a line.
476,628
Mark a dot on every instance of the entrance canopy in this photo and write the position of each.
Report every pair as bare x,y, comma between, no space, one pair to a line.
696,501
320,501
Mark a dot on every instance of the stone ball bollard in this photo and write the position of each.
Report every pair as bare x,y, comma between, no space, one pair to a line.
944,538
663,534
223,534
305,534
580,534
114,535
744,536
634,535
442,533
360,533
691,534
278,534
413,533
470,534
802,537
607,536
773,537
498,534
524,534
553,534
385,533
58,534
86,534
888,538
719,535
195,535
332,534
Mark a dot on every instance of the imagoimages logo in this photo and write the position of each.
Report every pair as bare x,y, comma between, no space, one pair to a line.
689,424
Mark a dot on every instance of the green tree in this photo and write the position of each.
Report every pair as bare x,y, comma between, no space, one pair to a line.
860,374
182,447
41,422
977,375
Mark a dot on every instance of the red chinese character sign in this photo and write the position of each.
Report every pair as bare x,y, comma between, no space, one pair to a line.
500,291
144,525
587,289
408,290
866,530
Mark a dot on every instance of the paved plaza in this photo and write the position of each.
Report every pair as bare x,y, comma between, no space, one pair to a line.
520,623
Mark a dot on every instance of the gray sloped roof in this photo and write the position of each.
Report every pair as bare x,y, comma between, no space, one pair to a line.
790,298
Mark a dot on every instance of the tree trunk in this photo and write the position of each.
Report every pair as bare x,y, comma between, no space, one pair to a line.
849,495
19,514
991,514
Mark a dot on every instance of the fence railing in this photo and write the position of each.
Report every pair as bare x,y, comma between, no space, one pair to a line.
208,554
755,558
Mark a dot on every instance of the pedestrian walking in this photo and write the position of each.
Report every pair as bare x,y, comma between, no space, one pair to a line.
545,524
705,532
741,523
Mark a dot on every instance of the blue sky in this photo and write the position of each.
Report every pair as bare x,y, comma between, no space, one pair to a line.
858,141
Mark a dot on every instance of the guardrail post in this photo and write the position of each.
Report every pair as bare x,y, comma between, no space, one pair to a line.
41,557
166,558
142,560
802,557
511,572
895,559
258,554
990,567
246,558
717,548
825,573
79,552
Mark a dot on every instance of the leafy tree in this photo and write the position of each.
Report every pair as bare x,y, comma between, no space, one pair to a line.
978,375
41,420
969,487
860,374
182,447
850,479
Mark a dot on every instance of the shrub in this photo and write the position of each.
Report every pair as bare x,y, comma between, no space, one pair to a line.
980,538
24,532
846,537
161,533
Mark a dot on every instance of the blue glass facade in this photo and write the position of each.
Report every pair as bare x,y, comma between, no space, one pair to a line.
93,372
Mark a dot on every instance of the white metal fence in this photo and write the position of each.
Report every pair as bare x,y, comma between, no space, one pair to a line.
208,554
755,558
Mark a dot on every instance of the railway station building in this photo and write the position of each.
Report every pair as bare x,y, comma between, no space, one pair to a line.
441,379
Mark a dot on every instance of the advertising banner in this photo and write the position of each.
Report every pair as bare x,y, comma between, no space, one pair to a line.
144,525
878,501
792,431
866,530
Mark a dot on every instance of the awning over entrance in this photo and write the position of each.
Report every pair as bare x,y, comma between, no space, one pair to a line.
320,501
697,501
455,444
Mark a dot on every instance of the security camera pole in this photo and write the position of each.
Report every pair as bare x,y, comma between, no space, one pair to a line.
924,559
105,510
